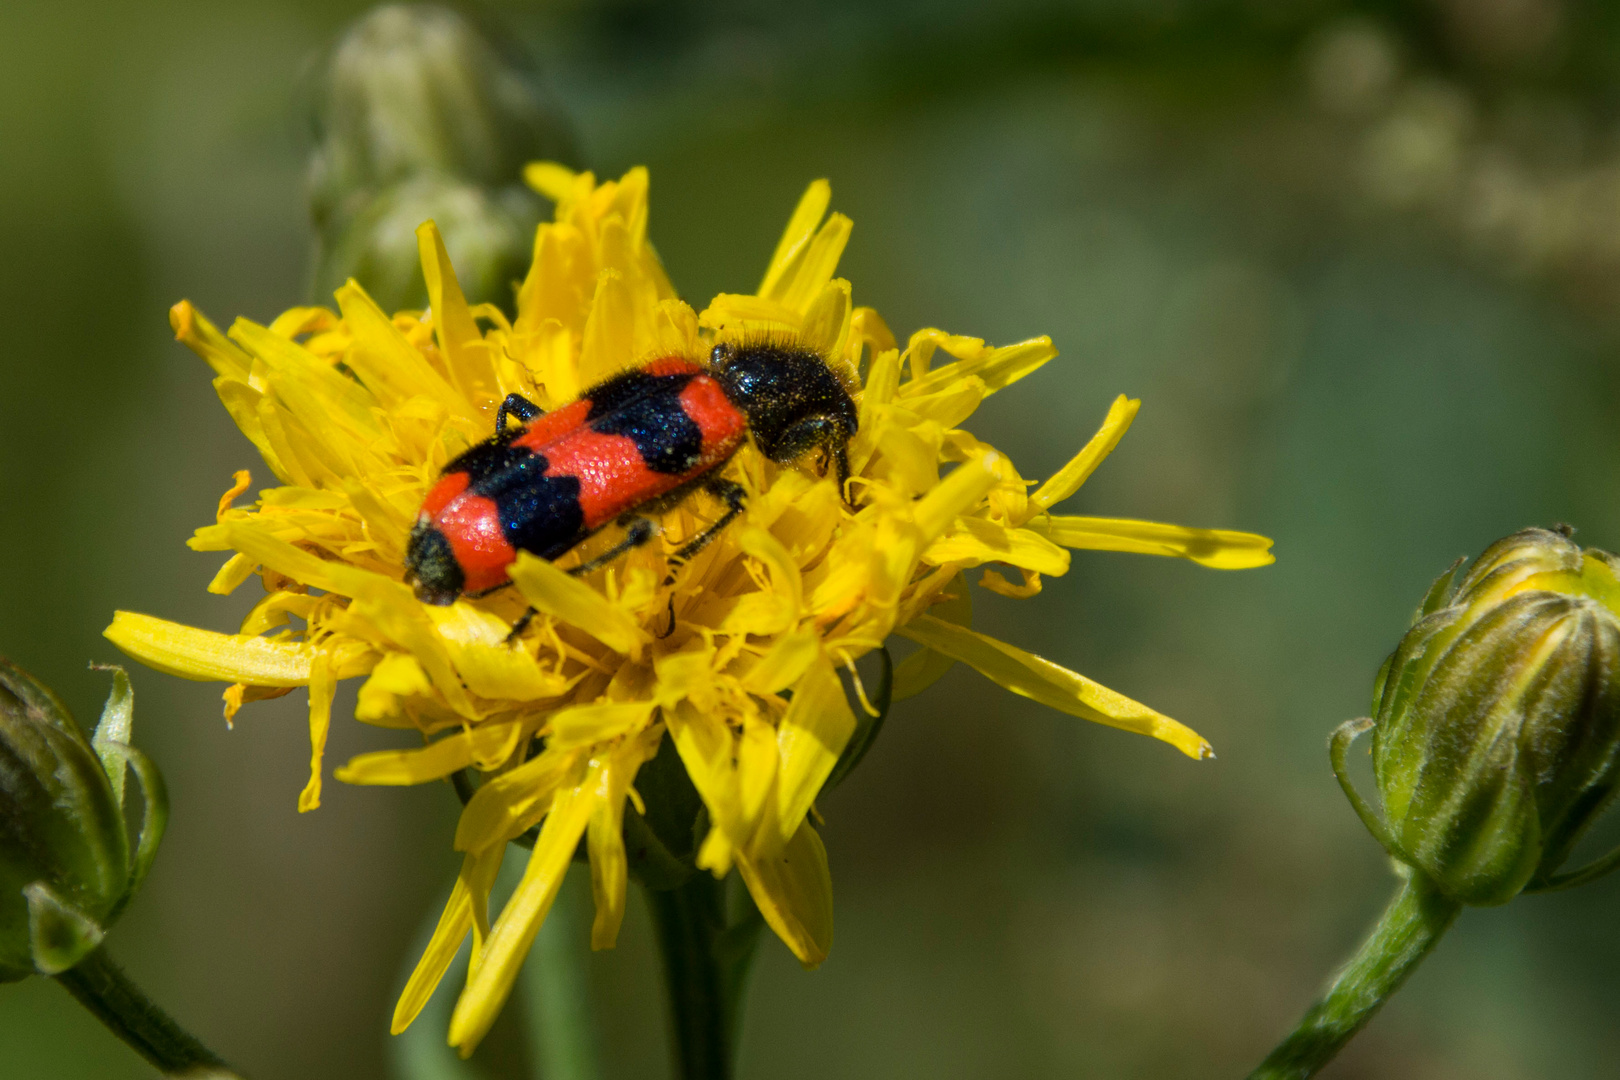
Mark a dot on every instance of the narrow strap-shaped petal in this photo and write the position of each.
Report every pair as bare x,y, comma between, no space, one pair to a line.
596,722
322,688
804,281
1221,549
550,179
800,228
556,593
976,541
203,338
813,732
793,890
482,742
605,837
926,666
954,495
1052,684
207,656
453,323
998,368
393,368
454,923
1067,480
508,805
491,981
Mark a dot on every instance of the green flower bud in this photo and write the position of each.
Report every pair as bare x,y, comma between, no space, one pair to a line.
1497,720
66,868
421,117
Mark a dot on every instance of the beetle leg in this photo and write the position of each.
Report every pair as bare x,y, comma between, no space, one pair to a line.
515,405
521,625
735,496
639,532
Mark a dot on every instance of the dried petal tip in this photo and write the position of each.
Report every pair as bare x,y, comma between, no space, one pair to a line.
1498,719
66,869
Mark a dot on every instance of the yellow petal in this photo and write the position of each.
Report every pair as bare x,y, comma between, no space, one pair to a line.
550,179
787,659
201,337
925,667
796,237
813,732
955,494
1051,684
1222,549
993,581
322,688
453,322
384,603
707,748
997,368
826,323
793,889
396,677
557,593
476,640
805,279
486,743
508,805
975,541
205,656
489,986
609,345
605,837
1068,479
454,923
237,569
597,722
390,366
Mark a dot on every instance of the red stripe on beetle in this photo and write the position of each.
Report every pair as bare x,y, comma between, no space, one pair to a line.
472,525
555,424
723,425
448,487
611,473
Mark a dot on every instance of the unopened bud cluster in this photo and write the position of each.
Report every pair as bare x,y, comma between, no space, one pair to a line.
1497,719
422,118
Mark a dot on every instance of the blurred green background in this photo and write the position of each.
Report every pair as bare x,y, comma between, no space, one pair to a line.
1362,263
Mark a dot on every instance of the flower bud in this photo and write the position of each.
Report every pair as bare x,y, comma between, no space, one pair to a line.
1498,719
421,117
66,869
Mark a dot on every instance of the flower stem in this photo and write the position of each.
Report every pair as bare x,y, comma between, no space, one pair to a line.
706,962
102,987
1408,930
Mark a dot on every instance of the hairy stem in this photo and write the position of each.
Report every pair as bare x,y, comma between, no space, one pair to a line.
102,987
1408,930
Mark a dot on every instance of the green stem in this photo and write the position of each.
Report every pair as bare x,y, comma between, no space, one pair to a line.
102,987
706,962
1409,928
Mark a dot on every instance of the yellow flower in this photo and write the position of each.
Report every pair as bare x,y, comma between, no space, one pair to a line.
356,413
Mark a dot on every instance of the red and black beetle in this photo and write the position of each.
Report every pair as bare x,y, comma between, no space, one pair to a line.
635,443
